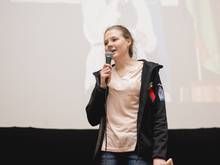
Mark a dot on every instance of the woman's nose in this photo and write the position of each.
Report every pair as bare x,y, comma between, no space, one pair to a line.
109,47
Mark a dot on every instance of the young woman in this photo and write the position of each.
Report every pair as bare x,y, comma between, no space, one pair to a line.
128,104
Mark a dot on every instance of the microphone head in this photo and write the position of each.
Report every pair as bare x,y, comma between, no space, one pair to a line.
108,57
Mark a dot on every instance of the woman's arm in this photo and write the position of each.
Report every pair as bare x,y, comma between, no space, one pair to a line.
160,128
95,109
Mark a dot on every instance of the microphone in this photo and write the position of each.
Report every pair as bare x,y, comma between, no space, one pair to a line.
108,59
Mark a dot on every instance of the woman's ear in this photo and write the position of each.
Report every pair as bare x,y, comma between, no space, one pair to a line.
129,41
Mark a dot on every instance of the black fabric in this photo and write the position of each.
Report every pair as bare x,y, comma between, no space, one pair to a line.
60,146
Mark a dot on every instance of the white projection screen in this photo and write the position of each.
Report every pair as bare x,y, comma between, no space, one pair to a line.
49,49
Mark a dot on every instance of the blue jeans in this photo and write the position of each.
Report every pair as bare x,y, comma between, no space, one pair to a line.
125,158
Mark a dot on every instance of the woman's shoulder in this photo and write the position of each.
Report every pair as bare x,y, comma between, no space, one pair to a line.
151,64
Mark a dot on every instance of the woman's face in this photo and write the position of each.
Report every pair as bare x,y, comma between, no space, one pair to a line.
116,43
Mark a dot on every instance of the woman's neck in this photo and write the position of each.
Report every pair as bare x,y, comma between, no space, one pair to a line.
122,63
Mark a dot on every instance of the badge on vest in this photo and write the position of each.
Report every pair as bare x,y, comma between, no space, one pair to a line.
161,92
151,92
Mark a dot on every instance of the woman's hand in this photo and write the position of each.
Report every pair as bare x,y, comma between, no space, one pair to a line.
105,75
158,161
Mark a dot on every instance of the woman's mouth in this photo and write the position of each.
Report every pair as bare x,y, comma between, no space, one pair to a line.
113,51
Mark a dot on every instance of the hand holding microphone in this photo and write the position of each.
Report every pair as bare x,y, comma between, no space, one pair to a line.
105,73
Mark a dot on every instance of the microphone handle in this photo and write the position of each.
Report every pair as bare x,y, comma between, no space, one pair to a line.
106,81
108,61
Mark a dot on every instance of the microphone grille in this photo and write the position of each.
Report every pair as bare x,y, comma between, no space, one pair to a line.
108,54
